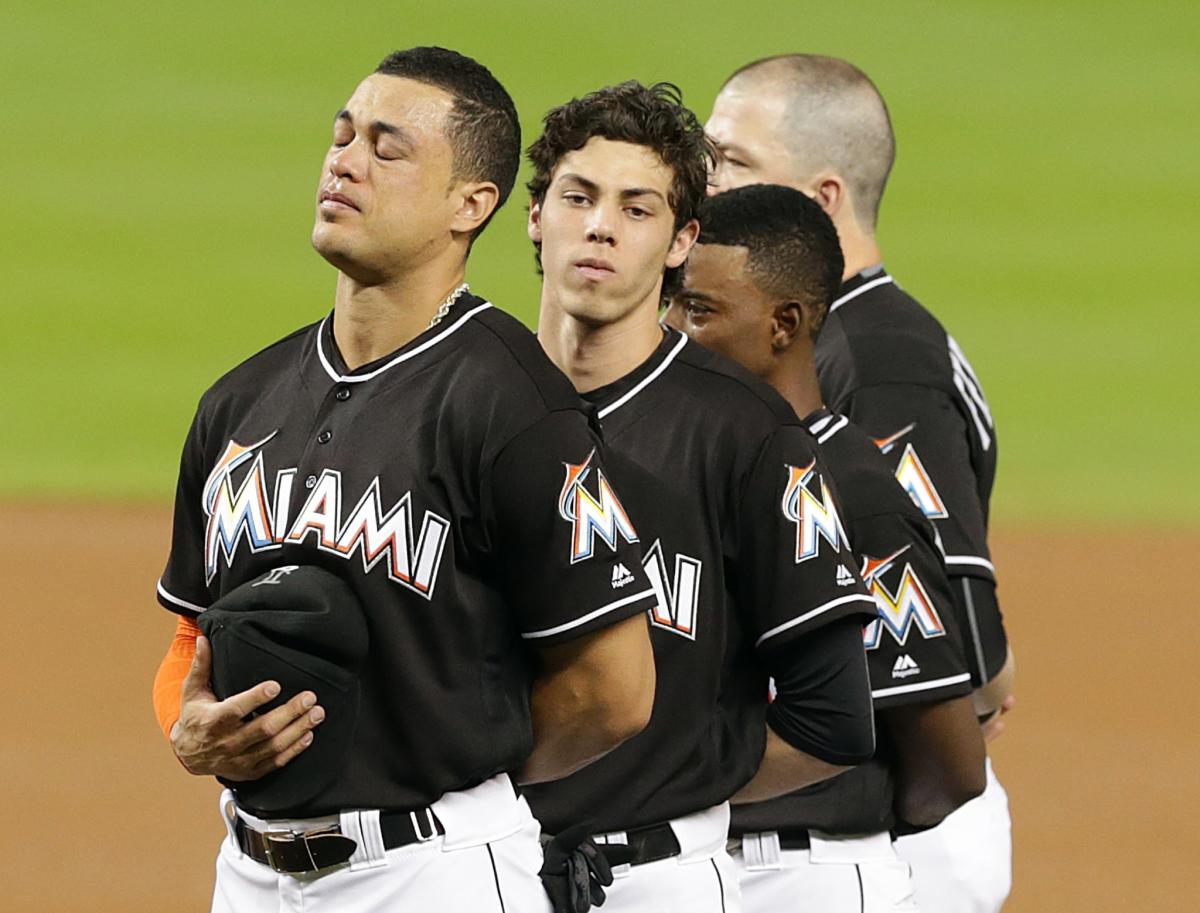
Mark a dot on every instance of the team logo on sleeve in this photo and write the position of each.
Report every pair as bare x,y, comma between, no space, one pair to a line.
912,475
899,610
592,515
676,604
808,503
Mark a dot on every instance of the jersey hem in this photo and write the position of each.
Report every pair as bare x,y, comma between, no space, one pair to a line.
819,610
174,603
917,687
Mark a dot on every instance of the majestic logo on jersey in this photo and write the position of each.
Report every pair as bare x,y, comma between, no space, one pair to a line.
676,606
814,514
590,516
240,513
899,611
914,479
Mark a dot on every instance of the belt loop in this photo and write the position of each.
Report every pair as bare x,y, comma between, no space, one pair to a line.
363,828
761,852
228,809
431,824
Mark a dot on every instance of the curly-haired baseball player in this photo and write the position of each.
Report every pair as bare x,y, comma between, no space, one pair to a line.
742,539
418,446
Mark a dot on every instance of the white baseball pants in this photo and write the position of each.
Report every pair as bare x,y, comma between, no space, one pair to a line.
836,875
487,862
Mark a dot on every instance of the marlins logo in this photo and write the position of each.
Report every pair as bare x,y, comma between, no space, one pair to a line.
912,476
590,515
815,517
899,611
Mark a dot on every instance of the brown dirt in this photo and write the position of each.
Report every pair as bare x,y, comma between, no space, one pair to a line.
1099,758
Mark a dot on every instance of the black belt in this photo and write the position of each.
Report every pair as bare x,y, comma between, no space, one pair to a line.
294,852
797,839
643,844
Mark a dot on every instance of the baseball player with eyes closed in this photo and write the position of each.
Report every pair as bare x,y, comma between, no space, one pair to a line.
418,458
756,287
743,542
819,124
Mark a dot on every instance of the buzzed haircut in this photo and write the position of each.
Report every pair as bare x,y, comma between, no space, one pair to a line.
483,129
835,119
792,247
651,116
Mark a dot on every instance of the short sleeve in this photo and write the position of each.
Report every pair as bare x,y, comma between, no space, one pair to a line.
914,647
566,549
182,588
795,571
926,438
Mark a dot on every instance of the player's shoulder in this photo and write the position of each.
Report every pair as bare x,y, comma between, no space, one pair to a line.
278,360
862,474
511,364
876,332
721,390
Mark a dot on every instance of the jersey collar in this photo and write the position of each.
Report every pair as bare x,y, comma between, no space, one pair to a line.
861,282
611,397
462,311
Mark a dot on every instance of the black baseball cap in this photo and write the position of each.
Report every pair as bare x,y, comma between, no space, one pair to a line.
303,627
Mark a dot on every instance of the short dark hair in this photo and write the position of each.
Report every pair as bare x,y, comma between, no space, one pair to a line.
651,116
792,247
483,129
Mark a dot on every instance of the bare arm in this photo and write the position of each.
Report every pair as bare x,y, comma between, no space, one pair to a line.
784,769
592,694
939,758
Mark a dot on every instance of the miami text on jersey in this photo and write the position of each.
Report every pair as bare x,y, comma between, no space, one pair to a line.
815,518
675,608
898,612
245,513
588,515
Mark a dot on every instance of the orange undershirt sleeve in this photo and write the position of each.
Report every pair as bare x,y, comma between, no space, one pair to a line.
168,683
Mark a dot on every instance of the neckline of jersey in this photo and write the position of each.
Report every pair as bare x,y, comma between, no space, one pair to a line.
857,285
824,423
410,350
613,396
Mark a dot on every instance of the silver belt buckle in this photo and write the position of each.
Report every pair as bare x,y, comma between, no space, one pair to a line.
282,835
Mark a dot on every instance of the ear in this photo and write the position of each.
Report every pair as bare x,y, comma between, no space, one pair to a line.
681,246
830,192
788,323
478,201
534,226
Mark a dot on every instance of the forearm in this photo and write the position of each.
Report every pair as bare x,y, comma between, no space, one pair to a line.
939,758
566,732
784,769
168,682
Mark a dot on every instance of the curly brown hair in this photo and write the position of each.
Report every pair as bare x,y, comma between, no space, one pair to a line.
651,116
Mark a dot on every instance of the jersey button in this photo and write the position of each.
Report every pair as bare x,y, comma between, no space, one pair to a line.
343,394
310,482
324,437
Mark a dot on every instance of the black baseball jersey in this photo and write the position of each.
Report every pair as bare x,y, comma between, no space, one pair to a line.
743,543
886,363
459,486
914,648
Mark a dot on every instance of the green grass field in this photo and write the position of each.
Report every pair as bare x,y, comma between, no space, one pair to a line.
161,163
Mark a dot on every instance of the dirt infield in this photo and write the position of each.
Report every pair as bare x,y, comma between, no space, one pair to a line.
1099,759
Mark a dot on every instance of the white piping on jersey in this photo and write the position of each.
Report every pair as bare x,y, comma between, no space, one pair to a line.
645,381
820,424
612,606
972,392
922,686
359,378
838,426
800,619
970,559
865,287
976,640
175,600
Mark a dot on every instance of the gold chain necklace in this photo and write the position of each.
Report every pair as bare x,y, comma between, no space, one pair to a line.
444,307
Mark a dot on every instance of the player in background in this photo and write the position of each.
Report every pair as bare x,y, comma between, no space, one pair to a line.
818,124
756,288
741,540
414,444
